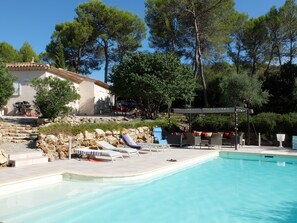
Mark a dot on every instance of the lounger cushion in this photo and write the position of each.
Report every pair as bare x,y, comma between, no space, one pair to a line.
129,141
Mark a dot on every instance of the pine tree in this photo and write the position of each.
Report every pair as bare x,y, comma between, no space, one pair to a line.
60,59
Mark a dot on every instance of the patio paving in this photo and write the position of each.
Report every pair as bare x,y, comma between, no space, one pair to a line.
129,167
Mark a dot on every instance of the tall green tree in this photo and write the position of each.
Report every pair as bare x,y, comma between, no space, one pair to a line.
115,32
255,43
26,53
53,96
60,59
215,73
6,85
166,32
288,14
196,28
7,53
75,38
235,48
152,79
275,37
240,89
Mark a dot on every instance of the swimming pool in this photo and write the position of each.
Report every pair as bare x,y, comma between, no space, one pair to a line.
221,190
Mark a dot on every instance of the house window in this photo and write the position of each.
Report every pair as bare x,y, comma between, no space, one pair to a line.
17,88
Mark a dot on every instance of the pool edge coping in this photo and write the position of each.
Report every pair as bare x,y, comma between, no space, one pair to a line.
55,177
131,177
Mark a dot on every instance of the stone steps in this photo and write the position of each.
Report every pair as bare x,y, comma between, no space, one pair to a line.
26,159
17,133
15,139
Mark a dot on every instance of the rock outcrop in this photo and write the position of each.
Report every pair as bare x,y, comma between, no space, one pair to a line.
57,147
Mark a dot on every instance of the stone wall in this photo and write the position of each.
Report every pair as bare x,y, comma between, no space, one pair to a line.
15,132
56,147
76,120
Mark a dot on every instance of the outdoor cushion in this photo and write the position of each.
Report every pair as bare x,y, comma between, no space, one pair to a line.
231,134
226,134
204,134
208,134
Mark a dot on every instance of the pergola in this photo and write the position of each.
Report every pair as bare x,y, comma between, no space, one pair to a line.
228,110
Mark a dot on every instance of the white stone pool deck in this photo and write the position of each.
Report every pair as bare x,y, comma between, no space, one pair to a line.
129,167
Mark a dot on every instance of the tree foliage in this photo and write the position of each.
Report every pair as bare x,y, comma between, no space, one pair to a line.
254,41
235,48
26,53
275,37
215,74
60,59
115,32
53,96
261,43
283,94
6,85
7,53
240,89
196,29
152,80
74,37
288,15
208,35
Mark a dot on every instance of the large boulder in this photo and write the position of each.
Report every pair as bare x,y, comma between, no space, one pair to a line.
88,135
51,139
99,133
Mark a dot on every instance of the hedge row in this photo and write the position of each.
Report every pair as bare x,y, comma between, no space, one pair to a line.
264,123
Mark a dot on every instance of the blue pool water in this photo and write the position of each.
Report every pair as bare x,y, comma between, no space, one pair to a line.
221,190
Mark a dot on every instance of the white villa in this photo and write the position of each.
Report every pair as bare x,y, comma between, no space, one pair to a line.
95,96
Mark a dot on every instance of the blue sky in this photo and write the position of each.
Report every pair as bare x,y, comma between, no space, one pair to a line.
34,20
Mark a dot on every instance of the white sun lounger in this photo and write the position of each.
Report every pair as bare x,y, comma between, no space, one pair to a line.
94,152
105,145
158,147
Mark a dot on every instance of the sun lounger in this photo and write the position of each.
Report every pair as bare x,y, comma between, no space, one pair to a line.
143,146
105,145
94,152
158,135
154,146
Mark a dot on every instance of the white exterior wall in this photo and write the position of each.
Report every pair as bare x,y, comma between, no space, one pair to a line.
26,91
103,100
93,98
86,102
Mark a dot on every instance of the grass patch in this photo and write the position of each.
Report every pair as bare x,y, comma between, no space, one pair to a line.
67,129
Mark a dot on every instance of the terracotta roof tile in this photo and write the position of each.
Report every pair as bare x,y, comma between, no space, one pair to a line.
27,66
77,78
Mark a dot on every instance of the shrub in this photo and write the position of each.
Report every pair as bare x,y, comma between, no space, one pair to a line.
214,123
53,95
267,123
289,124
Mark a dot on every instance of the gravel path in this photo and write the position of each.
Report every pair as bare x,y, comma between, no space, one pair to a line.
9,147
